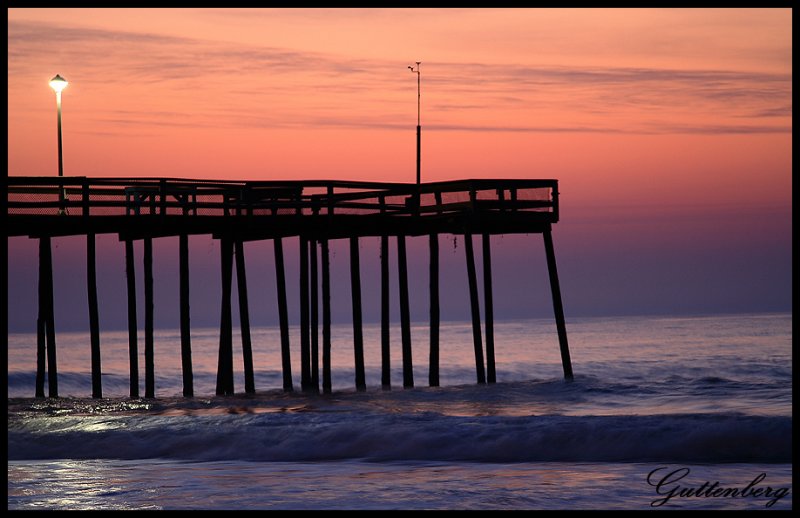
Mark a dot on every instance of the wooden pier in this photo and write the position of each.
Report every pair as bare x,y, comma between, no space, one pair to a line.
314,211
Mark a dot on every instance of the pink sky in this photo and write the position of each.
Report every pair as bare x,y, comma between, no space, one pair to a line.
668,129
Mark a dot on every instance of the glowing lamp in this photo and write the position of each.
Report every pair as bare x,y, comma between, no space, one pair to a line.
58,83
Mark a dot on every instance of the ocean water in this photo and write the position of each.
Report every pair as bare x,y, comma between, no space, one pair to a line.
664,412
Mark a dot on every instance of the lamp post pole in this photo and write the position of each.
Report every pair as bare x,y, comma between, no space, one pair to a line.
58,83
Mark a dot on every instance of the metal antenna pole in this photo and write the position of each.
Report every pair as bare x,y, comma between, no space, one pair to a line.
418,119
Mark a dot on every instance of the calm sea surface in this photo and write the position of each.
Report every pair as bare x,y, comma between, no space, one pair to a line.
670,412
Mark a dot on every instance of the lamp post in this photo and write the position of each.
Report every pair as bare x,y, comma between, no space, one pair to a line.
58,83
418,126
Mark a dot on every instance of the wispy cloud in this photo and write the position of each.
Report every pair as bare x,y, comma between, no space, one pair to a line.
263,86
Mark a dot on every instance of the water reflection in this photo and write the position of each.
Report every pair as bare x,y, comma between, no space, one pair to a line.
118,485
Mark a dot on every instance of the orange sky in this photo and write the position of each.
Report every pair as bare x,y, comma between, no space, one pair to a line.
326,93
651,117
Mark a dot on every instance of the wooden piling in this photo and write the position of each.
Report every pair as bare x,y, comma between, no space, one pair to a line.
283,316
50,330
476,315
244,318
45,329
94,321
326,319
41,352
186,340
225,358
133,344
305,343
41,321
149,361
386,362
358,337
314,316
405,317
433,370
488,315
558,308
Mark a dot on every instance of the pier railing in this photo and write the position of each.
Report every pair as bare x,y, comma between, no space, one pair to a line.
86,197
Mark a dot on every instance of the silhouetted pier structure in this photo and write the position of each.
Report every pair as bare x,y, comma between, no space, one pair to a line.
314,211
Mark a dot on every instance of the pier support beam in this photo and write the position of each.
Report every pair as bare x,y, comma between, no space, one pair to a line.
225,359
386,361
405,316
557,305
305,344
45,328
133,340
488,315
283,316
476,315
326,319
41,320
244,319
433,372
52,369
358,336
314,316
94,321
186,340
149,360
41,352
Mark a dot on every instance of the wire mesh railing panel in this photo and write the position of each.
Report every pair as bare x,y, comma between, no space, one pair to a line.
535,199
107,204
455,198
